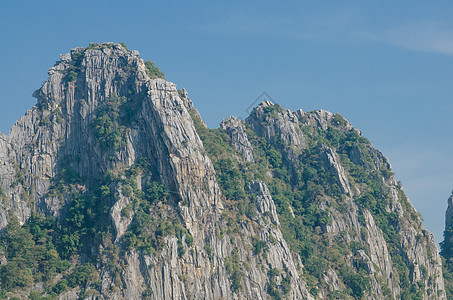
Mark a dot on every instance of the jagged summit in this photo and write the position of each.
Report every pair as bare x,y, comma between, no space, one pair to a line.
112,187
98,64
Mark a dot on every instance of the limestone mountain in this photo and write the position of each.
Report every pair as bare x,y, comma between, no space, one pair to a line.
112,187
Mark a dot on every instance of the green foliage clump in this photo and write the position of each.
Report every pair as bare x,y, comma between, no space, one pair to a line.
147,294
107,127
74,66
30,252
153,71
36,295
85,222
111,122
19,176
338,120
96,46
234,267
148,230
72,76
155,191
3,197
275,158
208,249
358,283
273,111
181,94
147,233
80,276
272,288
447,271
278,291
230,179
258,245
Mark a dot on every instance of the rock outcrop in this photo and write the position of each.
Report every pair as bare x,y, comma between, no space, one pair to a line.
235,129
273,122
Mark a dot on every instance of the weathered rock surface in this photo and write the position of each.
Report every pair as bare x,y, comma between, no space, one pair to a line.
235,129
272,122
332,162
264,199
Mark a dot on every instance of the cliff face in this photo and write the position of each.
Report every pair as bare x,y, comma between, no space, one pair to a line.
126,194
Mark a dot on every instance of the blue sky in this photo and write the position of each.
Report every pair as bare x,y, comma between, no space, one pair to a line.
387,66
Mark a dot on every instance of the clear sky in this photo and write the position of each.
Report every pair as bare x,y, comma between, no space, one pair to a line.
387,66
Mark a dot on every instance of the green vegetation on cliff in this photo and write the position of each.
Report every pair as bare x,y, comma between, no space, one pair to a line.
299,188
307,205
153,71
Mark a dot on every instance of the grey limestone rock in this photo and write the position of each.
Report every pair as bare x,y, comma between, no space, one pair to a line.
265,202
331,160
235,129
272,121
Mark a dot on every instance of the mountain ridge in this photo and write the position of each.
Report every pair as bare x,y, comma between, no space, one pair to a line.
136,198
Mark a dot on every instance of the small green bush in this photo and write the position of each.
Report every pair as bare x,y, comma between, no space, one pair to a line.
258,245
338,120
155,191
235,269
153,71
72,76
106,125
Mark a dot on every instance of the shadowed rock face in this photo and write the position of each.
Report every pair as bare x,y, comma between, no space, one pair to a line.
100,117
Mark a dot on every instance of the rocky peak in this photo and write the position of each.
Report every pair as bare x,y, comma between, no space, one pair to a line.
101,69
273,121
236,130
278,124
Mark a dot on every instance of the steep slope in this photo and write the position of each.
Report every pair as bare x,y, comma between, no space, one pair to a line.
112,187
